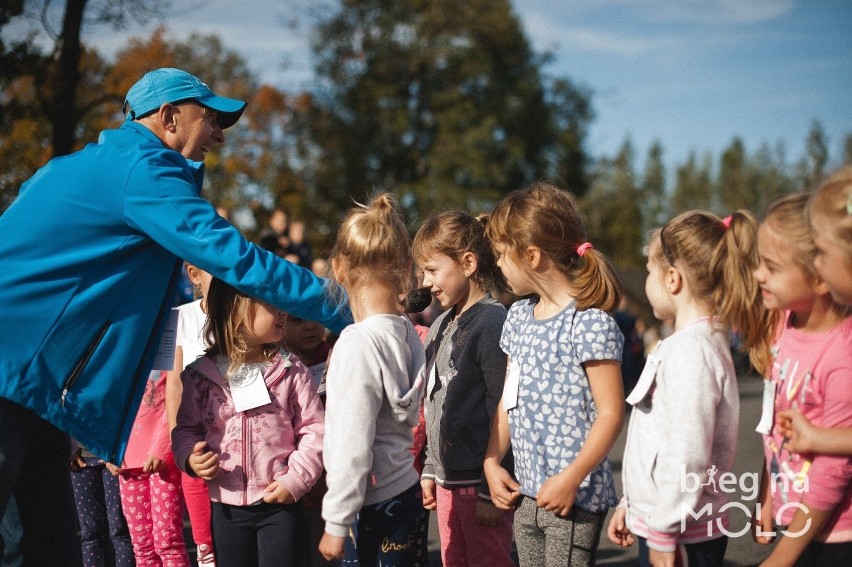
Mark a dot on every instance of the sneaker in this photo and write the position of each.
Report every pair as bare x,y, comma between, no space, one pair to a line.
205,556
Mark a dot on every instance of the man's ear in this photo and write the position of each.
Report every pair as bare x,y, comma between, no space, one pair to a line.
166,116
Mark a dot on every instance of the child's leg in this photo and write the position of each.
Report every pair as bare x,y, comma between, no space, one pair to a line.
234,534
387,530
529,536
167,517
463,540
91,512
280,536
136,503
571,540
197,499
119,534
704,554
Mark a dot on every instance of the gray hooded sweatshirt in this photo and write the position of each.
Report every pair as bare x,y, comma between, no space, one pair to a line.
374,388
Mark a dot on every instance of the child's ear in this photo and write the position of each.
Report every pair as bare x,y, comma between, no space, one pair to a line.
673,280
533,255
469,263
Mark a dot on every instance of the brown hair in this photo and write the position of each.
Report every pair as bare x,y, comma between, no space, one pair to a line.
830,208
454,234
228,320
374,245
549,218
717,258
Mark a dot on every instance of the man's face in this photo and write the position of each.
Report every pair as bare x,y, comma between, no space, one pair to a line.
196,130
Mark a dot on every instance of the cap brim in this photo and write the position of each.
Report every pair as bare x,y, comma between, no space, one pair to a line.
228,110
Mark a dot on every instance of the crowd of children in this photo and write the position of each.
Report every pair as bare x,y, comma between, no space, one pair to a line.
288,449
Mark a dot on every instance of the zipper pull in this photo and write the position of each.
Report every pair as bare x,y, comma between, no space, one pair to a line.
62,401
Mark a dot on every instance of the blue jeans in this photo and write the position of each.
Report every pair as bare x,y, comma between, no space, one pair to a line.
34,466
387,533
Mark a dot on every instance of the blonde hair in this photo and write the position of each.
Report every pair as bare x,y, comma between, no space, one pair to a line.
454,234
717,258
830,208
374,245
549,218
228,321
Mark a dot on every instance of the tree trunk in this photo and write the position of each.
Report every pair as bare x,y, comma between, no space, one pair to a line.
64,106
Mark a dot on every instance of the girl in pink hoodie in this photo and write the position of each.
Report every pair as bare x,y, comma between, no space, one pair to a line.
251,424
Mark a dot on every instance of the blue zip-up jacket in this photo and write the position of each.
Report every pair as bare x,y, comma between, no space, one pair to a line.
89,257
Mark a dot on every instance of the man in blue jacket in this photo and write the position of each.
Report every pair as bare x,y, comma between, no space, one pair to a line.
90,252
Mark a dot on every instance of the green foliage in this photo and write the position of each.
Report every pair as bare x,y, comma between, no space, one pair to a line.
441,101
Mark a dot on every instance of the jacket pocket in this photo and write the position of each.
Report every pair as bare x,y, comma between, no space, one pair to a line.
83,360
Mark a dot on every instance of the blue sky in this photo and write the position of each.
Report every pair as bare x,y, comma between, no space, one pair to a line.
691,73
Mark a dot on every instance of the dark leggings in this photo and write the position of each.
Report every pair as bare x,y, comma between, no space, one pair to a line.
388,533
819,554
262,535
702,554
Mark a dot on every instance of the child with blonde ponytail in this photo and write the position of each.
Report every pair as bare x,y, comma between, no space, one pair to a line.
374,387
683,427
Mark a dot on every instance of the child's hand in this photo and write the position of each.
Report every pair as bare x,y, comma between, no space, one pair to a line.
661,558
331,547
152,464
504,489
762,524
205,464
617,531
77,462
487,514
800,433
429,500
276,492
113,469
557,494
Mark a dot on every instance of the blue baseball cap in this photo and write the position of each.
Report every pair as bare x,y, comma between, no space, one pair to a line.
167,85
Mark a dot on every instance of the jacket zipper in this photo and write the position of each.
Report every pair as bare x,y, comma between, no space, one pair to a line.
245,463
81,363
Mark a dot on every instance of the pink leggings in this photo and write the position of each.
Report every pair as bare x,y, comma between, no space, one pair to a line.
465,543
153,507
197,499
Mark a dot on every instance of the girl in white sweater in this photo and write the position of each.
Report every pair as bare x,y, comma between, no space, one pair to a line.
683,428
373,391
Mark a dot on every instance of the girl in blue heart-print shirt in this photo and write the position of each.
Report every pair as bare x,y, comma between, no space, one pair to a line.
563,401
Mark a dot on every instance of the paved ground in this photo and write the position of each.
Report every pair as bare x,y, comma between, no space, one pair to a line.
742,551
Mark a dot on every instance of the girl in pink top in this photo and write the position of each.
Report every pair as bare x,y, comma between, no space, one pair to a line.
151,497
808,494
250,423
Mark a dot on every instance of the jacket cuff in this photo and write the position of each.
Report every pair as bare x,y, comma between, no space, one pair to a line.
661,541
337,530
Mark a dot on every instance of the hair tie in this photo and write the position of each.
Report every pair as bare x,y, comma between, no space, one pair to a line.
581,249
727,221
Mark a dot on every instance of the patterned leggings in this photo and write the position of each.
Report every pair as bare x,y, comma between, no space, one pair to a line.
547,540
153,507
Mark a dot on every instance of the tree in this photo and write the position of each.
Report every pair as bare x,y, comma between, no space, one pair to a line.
811,168
614,209
442,102
693,185
48,94
733,189
653,201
